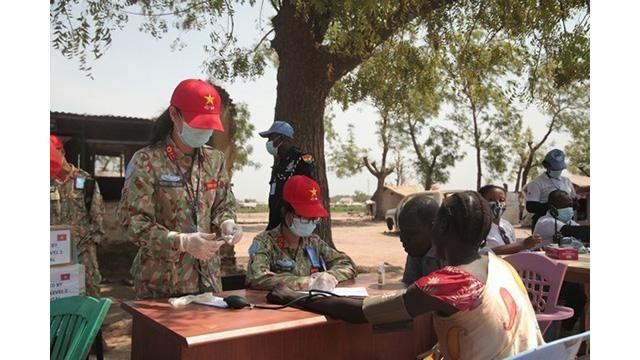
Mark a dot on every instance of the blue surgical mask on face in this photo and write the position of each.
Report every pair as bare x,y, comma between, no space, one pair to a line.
271,149
302,229
195,138
565,214
555,173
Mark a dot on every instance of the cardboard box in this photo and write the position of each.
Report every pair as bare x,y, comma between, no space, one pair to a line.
66,281
62,249
561,253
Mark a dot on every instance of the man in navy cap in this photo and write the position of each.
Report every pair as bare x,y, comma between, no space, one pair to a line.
288,161
539,189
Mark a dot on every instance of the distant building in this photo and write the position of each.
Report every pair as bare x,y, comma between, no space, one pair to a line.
345,201
102,145
392,195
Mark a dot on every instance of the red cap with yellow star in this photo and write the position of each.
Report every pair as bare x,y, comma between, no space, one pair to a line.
304,196
199,103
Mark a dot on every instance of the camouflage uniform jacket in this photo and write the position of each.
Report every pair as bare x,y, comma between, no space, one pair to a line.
68,207
156,206
271,262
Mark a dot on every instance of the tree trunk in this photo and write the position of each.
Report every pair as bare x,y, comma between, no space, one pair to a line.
377,198
527,168
303,86
478,155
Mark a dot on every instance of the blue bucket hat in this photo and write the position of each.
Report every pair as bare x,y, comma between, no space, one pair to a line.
279,127
555,159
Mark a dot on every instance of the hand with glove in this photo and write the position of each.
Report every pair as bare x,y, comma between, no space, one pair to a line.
231,232
322,281
201,245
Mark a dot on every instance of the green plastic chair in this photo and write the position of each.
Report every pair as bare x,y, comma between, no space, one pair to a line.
75,321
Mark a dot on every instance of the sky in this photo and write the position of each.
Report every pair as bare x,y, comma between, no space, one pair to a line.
138,73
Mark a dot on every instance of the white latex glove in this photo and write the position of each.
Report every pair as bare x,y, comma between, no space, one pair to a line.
231,231
184,300
322,281
201,245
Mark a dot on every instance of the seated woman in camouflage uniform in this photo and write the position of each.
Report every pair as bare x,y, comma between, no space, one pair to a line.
291,253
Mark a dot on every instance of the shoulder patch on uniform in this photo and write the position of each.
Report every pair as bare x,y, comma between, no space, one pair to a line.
307,158
129,169
255,246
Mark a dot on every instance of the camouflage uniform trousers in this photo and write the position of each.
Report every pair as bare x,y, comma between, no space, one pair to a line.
88,257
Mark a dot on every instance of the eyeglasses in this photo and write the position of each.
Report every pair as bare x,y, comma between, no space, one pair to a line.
304,220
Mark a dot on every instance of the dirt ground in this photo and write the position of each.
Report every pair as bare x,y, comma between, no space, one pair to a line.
366,241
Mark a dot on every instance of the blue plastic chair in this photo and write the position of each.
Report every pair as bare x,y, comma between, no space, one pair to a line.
74,323
561,349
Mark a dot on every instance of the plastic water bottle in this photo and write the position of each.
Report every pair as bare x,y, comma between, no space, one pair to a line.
381,274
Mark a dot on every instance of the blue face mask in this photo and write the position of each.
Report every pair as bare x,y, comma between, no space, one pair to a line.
555,173
271,149
195,138
302,229
565,214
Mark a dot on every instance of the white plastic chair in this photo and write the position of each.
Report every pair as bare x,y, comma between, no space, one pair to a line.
561,349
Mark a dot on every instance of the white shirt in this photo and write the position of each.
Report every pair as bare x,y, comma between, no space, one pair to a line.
546,227
495,239
539,188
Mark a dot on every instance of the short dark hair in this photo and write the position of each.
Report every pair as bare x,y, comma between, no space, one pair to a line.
487,188
421,207
467,214
556,196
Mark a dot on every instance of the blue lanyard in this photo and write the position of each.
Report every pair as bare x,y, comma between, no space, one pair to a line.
193,194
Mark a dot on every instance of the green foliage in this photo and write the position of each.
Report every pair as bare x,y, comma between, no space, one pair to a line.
345,159
578,150
436,155
244,131
479,65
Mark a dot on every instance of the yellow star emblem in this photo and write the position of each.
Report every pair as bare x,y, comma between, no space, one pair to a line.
209,99
314,193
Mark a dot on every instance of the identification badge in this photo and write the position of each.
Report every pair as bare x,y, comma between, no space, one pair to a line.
55,195
170,177
273,189
170,180
78,184
284,265
313,256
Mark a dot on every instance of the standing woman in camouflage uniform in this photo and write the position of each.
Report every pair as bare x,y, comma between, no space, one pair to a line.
291,253
76,201
177,204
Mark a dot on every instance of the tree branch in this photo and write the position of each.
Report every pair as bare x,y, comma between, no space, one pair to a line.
165,14
345,62
416,147
261,41
372,169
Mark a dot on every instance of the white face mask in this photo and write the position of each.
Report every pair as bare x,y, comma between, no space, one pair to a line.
195,138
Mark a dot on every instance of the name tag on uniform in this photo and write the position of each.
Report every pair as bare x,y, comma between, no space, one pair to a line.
78,184
171,180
